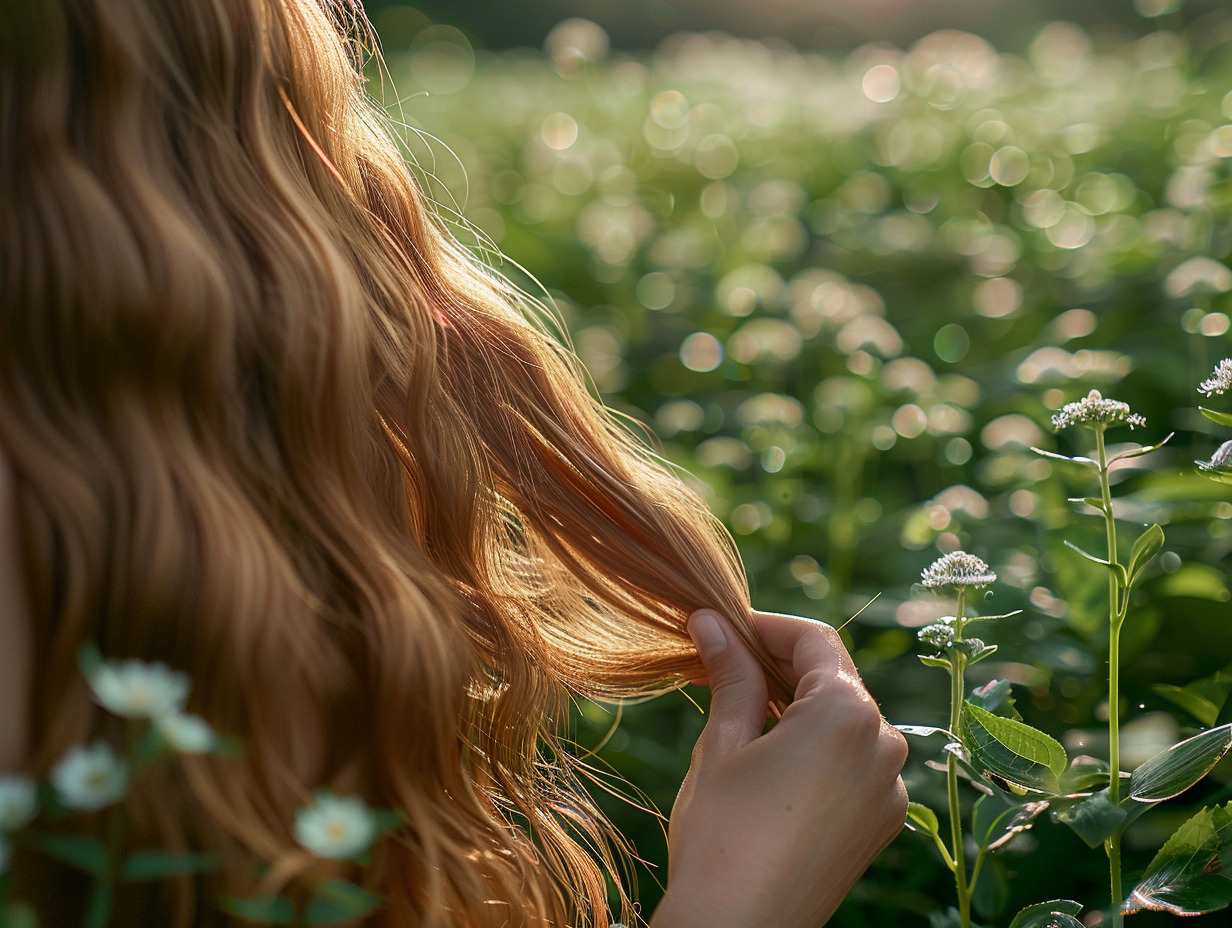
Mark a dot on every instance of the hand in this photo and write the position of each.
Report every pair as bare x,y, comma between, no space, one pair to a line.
773,829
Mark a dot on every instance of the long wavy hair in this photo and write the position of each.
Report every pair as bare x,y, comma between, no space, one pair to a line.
271,425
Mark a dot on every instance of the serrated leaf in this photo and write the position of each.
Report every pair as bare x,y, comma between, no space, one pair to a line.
265,910
81,851
154,865
1076,459
1012,750
1171,772
921,818
1187,876
1059,913
1145,548
1194,703
932,661
1094,818
336,902
1219,418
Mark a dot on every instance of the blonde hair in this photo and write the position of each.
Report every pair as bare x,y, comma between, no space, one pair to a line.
271,425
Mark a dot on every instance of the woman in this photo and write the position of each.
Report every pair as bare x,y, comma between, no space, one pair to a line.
263,421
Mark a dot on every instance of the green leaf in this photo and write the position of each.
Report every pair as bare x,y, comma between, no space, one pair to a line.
1093,819
1139,452
997,697
991,892
81,851
1187,877
1093,501
1145,548
1085,775
154,865
931,661
1171,772
1219,418
336,902
1059,913
921,818
991,618
923,731
1192,702
1077,459
1120,571
266,910
1012,750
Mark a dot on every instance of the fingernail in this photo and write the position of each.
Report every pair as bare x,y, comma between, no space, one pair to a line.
707,634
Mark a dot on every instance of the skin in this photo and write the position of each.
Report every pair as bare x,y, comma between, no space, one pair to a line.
774,828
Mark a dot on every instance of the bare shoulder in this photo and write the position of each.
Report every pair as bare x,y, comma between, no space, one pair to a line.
16,631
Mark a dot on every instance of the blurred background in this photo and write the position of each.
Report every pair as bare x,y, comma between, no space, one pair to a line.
844,259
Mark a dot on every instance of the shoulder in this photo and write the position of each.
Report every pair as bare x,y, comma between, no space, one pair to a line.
16,631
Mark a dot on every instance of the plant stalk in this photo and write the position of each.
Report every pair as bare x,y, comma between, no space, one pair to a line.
1115,620
957,672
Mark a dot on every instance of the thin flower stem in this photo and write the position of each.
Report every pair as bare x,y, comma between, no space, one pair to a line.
1116,615
956,831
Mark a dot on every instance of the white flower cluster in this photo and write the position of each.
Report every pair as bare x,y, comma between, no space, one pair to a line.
135,689
337,827
1097,412
940,635
957,569
90,778
1220,380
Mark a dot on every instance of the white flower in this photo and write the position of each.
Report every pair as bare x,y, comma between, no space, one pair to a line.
940,635
338,827
186,732
958,568
18,801
90,778
1220,380
137,690
1095,411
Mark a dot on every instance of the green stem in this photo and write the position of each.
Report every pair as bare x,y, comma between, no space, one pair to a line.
956,831
1116,615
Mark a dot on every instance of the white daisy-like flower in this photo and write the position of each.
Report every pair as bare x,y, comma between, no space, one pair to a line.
1095,411
138,690
186,732
18,801
957,569
1220,380
337,827
90,778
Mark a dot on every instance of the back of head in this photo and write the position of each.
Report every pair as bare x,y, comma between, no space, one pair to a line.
273,427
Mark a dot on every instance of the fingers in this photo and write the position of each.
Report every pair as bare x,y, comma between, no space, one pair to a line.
737,685
804,647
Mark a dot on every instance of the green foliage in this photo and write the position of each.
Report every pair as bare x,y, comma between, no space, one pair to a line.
1059,913
1187,877
1012,750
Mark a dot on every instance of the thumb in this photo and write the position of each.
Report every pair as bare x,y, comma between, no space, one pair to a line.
738,694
